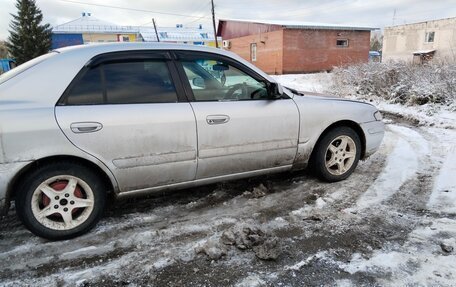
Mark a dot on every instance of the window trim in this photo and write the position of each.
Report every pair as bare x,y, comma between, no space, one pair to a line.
124,56
252,58
426,37
195,55
128,56
343,46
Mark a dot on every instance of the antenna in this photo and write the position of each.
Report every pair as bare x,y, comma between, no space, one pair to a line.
394,16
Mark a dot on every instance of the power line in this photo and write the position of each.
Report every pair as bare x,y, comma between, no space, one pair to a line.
200,9
196,20
131,9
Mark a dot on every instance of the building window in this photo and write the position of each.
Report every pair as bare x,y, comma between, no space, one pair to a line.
253,52
430,37
342,43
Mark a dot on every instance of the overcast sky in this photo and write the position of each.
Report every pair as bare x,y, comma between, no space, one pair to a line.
372,13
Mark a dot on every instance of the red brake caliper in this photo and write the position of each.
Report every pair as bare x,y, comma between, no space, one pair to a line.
59,186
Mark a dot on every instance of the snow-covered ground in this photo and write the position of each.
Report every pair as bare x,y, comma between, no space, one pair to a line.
392,223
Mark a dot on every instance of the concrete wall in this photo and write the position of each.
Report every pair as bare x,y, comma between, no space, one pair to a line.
316,50
399,42
269,50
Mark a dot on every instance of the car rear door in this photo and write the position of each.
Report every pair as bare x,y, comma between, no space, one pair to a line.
129,111
240,128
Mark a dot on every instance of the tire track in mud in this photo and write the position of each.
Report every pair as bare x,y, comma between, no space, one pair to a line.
421,258
404,162
134,229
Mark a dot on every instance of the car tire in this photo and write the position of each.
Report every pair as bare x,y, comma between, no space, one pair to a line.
61,200
337,154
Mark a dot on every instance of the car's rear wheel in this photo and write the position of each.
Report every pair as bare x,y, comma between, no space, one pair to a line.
61,201
337,154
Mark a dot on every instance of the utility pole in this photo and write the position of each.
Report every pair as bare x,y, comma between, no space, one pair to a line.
213,23
155,28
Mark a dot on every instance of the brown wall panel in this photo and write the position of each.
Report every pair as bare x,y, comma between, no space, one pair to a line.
316,50
269,50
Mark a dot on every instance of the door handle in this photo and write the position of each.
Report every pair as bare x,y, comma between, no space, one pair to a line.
85,127
217,119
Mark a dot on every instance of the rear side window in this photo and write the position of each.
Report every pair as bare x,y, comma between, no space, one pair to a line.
88,90
124,83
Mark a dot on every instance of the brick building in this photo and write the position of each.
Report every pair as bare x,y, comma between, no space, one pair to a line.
281,47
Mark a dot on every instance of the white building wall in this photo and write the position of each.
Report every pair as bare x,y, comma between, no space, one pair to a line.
400,42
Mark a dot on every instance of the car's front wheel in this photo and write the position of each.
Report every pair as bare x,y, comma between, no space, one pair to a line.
337,154
61,201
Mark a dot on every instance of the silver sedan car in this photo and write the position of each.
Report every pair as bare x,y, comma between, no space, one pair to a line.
83,123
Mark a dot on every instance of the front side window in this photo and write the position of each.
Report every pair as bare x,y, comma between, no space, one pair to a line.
214,80
124,83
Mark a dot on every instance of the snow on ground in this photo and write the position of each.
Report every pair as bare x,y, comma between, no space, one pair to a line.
420,261
427,257
402,165
443,197
316,83
392,223
427,115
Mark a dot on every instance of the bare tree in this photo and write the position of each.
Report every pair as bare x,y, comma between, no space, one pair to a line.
376,43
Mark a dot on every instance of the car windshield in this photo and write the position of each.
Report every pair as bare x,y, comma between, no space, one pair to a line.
27,65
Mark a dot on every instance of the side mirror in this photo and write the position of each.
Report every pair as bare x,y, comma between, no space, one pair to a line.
274,91
199,82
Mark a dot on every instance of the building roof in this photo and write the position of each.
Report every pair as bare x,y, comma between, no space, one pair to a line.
89,24
174,34
424,52
421,22
304,25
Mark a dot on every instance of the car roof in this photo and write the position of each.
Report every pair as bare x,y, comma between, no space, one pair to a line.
89,51
99,48
62,65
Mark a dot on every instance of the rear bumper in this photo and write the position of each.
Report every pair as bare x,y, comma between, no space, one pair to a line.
374,133
7,172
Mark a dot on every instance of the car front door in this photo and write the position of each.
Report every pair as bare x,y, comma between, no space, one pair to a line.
240,128
127,110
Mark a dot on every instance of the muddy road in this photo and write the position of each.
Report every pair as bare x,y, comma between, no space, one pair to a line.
393,222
